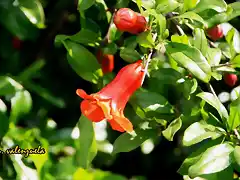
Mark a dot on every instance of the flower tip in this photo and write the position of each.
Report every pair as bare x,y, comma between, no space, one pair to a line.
132,133
81,93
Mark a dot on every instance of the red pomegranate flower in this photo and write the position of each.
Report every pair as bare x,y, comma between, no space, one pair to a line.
127,20
106,61
109,103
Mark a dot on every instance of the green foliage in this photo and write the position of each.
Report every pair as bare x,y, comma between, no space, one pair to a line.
178,100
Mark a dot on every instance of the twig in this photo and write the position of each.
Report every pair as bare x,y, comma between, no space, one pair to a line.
106,38
237,134
222,65
146,65
212,90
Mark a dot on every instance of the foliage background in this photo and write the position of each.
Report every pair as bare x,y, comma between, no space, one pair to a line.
50,112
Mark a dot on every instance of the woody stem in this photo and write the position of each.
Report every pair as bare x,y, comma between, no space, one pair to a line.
148,59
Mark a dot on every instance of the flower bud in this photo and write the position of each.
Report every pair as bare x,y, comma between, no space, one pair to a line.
129,21
215,33
230,79
106,61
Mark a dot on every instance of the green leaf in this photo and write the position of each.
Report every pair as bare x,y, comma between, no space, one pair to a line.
150,103
215,159
33,10
114,33
16,22
191,59
82,174
145,39
172,128
217,5
191,16
196,155
200,41
147,4
85,37
237,155
214,56
235,10
122,4
233,38
189,4
129,55
83,62
198,132
88,146
21,104
165,6
8,86
4,121
110,48
214,102
180,39
235,61
130,42
85,4
234,116
127,142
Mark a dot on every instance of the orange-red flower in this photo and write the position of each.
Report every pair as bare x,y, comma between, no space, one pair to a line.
109,103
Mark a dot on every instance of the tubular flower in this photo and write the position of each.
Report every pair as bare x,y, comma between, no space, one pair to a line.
140,25
109,102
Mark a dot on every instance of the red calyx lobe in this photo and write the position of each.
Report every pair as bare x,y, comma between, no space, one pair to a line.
16,42
106,61
215,32
230,79
129,21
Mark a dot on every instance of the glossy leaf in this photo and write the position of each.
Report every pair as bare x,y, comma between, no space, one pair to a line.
215,159
130,55
189,4
145,39
150,103
236,61
14,20
235,10
237,155
81,174
214,102
233,38
33,10
8,86
165,6
130,42
192,16
88,146
180,39
85,4
196,155
200,41
172,129
191,59
83,62
199,131
21,104
127,142
217,5
234,116
214,56
114,33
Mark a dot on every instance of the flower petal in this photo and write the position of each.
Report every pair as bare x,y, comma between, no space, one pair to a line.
121,123
92,111
83,94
